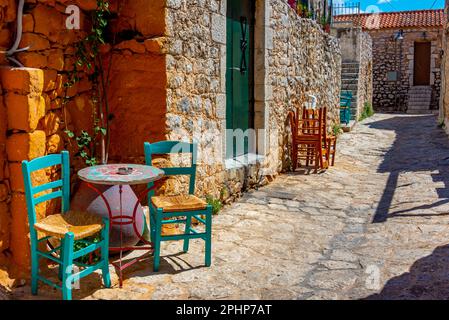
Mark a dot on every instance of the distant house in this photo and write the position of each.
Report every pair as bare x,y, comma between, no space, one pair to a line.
406,58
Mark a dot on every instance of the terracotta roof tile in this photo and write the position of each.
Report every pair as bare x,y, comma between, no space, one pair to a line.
393,20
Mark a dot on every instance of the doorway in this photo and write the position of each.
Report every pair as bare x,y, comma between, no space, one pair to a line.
239,76
422,64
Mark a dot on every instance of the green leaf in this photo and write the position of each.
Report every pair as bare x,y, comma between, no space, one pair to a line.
70,134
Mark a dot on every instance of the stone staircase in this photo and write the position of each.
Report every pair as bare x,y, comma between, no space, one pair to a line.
419,100
349,82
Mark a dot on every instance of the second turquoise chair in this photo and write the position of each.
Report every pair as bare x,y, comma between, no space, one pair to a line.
178,209
68,227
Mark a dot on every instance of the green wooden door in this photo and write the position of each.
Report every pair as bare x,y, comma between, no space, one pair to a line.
239,74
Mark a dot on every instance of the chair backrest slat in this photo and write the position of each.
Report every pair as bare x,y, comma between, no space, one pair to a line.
48,197
174,147
47,186
32,192
44,162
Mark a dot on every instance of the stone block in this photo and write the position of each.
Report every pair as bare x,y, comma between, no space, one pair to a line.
156,45
5,221
51,123
148,17
34,41
33,60
24,112
48,22
56,60
23,80
26,146
55,144
132,45
28,23
19,230
219,28
16,178
50,76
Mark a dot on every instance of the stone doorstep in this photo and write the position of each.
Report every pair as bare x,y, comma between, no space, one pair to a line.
242,161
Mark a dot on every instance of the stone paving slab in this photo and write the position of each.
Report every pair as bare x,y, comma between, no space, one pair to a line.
375,226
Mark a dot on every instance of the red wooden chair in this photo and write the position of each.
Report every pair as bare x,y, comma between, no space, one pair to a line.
308,137
329,141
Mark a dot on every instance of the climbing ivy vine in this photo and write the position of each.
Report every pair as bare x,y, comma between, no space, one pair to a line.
88,61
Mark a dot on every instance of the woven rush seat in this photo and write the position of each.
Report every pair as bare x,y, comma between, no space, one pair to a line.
179,203
81,224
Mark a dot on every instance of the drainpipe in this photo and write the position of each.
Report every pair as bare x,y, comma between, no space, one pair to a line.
15,48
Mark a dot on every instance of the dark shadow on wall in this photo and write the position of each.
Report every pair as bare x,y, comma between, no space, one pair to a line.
419,146
427,279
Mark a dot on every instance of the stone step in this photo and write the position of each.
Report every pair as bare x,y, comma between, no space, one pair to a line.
352,87
419,96
345,82
424,101
420,107
349,75
419,112
350,65
420,93
350,71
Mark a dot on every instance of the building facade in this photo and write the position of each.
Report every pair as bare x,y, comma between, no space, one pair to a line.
406,58
444,99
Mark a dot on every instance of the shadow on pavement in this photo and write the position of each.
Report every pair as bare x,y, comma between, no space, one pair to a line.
426,279
419,146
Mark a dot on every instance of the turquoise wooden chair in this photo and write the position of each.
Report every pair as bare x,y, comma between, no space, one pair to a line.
68,227
345,107
178,209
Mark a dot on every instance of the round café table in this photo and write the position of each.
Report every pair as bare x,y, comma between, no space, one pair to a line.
120,175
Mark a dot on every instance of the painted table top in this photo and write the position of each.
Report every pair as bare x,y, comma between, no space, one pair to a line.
109,174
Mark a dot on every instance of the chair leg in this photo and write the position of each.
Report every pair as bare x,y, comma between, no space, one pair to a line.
152,224
67,266
294,155
105,253
157,240
60,272
34,265
334,151
187,231
208,249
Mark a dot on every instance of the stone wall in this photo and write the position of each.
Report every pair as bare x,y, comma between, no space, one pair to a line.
138,79
444,99
7,15
303,61
33,119
389,55
357,47
293,58
365,87
33,116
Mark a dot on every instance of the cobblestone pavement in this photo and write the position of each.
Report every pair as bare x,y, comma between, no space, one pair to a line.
376,226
